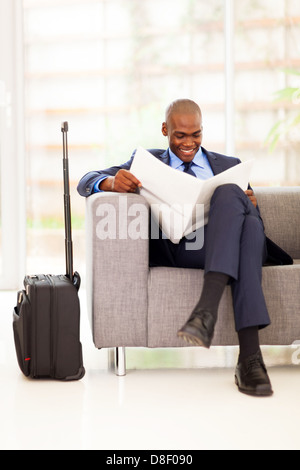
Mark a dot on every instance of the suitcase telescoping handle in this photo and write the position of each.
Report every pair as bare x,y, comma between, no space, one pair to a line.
67,204
74,277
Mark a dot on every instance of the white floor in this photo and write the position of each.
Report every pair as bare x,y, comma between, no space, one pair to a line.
162,409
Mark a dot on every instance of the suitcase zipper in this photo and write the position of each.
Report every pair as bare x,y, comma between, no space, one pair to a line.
52,313
30,283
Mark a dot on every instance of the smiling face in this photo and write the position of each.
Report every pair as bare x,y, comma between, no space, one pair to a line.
184,132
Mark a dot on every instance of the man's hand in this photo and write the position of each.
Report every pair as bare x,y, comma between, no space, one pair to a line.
251,196
123,182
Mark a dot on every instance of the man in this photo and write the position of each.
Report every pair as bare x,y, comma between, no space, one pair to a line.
235,246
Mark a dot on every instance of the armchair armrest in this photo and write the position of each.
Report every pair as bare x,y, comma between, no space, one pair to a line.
117,268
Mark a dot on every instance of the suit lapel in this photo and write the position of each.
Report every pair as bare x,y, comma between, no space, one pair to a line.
214,162
165,157
162,155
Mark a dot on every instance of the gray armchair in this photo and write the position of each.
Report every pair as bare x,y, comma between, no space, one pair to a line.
132,305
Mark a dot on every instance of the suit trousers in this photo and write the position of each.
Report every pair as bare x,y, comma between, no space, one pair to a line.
234,244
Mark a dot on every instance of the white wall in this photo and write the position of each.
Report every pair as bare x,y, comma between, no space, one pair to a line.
12,154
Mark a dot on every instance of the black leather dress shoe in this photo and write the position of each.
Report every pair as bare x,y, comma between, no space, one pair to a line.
199,329
252,378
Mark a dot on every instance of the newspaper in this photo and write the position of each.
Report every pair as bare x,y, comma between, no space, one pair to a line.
180,202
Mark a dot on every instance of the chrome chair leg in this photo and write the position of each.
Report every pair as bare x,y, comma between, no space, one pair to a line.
120,361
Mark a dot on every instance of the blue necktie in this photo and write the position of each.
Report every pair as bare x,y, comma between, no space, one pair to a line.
187,168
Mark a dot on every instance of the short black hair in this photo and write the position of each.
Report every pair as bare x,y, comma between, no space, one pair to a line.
182,106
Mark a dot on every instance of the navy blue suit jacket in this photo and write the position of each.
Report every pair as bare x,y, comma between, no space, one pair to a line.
218,163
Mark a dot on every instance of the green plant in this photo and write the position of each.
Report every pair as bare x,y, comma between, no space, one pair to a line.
78,223
283,127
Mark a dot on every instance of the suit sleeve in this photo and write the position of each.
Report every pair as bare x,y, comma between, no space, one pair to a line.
87,183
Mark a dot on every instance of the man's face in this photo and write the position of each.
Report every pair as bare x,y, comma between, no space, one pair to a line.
184,132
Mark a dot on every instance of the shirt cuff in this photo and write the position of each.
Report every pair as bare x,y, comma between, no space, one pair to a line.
96,188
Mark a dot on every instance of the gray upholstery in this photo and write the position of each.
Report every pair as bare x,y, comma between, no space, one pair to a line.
132,305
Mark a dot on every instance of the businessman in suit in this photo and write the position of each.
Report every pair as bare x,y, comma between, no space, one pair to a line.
235,247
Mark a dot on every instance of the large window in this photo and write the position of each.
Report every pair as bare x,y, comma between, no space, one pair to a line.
110,67
267,60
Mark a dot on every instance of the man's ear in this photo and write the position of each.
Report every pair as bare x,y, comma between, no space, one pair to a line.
164,129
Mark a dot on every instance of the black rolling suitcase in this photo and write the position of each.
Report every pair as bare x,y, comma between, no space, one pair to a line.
46,319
